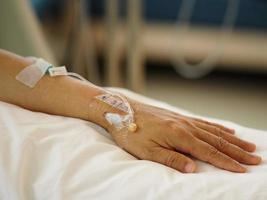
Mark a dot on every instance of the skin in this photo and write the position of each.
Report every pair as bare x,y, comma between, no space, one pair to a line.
162,136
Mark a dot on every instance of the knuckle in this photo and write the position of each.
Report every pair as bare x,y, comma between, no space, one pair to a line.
212,153
151,154
178,129
170,123
187,122
174,126
184,134
172,160
218,131
146,155
222,143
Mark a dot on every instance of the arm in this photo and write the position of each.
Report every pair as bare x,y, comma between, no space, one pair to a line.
163,136
59,96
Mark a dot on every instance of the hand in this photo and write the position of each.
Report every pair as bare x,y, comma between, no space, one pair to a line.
168,138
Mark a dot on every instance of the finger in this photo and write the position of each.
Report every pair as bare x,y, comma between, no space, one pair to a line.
248,146
210,154
227,148
228,130
173,159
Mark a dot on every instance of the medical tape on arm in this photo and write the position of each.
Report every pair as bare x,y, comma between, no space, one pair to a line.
33,73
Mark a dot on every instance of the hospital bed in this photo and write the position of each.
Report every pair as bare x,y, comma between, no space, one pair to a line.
157,36
53,157
146,30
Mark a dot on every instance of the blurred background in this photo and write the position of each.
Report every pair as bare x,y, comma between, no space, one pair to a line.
205,56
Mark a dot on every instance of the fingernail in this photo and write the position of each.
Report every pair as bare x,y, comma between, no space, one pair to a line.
242,169
252,147
248,146
239,168
257,159
189,167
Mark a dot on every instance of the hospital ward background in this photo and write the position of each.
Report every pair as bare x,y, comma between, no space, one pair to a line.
208,57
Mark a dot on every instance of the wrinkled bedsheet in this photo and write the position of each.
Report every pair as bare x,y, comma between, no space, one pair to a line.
52,157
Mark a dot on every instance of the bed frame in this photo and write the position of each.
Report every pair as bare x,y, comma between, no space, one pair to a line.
138,42
244,50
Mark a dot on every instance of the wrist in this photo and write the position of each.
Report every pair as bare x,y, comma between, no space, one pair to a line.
104,109
98,109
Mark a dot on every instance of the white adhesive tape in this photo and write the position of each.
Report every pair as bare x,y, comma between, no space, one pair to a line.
114,119
33,73
58,71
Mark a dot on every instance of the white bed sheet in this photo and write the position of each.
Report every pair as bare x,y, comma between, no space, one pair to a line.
53,157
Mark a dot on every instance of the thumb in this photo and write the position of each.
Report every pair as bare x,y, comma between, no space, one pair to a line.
174,160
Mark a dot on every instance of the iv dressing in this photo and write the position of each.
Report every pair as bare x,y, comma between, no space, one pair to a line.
34,72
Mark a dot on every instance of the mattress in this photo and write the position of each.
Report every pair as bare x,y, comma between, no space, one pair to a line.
53,157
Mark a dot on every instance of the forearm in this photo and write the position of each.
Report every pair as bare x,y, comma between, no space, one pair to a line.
54,95
162,136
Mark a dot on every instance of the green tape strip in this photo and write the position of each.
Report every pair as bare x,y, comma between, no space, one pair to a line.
47,71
